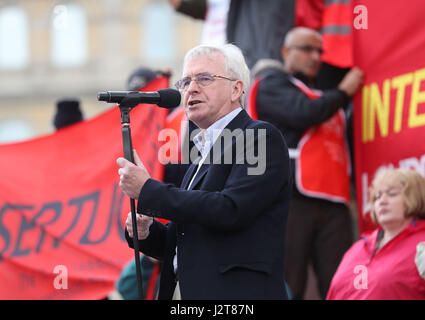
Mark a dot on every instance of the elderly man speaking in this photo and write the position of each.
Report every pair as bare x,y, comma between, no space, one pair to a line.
225,238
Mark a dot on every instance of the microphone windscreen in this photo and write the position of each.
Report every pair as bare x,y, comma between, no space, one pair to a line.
169,98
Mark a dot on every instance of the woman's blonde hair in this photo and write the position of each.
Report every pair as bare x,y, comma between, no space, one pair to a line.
413,190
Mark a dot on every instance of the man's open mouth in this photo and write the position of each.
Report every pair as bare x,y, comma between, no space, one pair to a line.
194,102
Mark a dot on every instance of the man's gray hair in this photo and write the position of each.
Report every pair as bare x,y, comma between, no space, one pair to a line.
234,61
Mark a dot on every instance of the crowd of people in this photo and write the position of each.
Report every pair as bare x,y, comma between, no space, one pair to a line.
235,235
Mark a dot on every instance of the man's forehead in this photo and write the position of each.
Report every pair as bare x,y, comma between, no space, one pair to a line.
305,38
203,63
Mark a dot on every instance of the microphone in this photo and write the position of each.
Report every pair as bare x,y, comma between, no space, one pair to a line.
165,98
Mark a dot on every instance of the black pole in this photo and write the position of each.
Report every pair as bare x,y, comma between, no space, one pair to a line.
128,154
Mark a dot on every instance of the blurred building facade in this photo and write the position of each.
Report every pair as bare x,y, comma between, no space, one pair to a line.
50,49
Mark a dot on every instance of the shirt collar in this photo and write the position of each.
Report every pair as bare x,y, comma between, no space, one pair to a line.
205,139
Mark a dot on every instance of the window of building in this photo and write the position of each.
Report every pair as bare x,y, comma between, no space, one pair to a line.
69,36
14,130
158,24
14,42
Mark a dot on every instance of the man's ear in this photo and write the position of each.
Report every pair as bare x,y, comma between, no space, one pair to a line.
237,90
284,51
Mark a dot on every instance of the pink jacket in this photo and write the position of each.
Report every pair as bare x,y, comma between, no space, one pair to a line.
395,272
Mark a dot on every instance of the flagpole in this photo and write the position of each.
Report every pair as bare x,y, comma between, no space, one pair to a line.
125,108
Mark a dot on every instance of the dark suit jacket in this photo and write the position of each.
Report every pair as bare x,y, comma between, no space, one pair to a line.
230,226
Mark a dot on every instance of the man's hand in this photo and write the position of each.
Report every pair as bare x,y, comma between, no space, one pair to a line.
132,176
143,225
352,81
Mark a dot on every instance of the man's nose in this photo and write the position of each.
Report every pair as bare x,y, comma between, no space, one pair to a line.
193,86
316,55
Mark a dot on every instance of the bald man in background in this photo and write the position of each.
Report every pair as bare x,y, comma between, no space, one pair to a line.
319,229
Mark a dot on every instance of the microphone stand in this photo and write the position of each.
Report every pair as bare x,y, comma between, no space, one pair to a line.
125,106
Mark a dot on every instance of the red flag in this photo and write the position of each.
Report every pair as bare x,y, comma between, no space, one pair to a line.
389,114
62,212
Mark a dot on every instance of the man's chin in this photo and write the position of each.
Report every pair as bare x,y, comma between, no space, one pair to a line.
195,117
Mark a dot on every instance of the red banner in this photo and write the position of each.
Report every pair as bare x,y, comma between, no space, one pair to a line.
62,212
389,114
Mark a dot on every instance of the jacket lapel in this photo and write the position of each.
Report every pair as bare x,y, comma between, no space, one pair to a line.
189,174
202,171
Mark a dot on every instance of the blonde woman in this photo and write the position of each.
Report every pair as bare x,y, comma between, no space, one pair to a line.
389,262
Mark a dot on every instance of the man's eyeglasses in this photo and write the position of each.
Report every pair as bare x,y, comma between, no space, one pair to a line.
203,80
307,49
